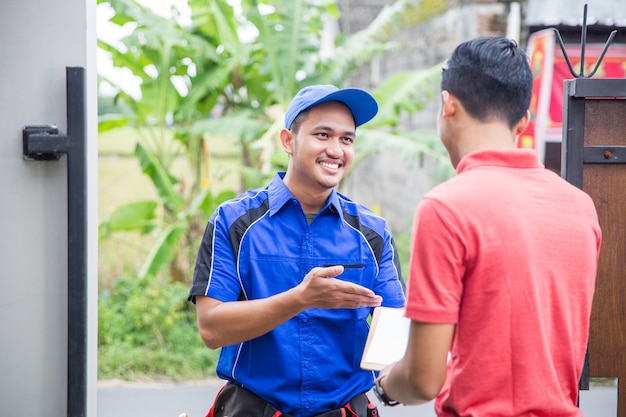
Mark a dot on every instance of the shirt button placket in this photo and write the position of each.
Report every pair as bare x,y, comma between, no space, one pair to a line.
307,382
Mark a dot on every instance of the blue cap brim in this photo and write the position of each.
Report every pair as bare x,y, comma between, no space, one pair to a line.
361,103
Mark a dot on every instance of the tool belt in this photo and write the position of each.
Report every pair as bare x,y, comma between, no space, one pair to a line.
235,401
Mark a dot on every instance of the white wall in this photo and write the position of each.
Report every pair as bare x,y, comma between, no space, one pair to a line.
38,40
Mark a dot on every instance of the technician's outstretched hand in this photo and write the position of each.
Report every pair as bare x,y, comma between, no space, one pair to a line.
322,289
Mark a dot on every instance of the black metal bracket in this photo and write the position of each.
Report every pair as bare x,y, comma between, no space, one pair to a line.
604,155
44,143
583,44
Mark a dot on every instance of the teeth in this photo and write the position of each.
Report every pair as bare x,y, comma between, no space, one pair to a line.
332,166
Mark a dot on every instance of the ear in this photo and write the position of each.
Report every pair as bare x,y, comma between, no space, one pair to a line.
522,124
286,139
448,105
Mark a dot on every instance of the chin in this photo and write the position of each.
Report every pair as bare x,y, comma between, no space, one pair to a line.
331,180
329,183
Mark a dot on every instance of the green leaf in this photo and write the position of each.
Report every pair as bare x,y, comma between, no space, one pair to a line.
137,215
111,121
205,202
241,125
162,180
216,19
406,92
253,177
359,48
164,249
204,92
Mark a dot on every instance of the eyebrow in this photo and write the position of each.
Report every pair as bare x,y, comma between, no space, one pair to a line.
330,129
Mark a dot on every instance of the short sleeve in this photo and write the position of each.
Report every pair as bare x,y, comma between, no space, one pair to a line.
437,266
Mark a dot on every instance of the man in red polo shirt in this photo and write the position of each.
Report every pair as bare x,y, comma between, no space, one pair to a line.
503,258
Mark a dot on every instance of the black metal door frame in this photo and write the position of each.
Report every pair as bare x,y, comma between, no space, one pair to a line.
44,143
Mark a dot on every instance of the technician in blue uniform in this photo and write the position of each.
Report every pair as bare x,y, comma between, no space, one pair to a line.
287,274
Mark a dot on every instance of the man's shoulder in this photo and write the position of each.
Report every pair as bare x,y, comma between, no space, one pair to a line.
364,213
246,201
351,206
455,187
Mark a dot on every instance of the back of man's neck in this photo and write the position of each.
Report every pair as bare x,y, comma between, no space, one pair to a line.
483,137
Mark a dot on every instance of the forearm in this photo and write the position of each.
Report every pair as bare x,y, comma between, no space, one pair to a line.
229,323
222,324
418,377
398,386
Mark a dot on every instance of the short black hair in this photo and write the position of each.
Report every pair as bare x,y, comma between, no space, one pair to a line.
491,77
300,118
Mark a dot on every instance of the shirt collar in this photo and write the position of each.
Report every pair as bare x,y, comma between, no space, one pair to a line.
510,158
279,195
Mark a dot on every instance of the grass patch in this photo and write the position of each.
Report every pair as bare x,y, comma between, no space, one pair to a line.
147,330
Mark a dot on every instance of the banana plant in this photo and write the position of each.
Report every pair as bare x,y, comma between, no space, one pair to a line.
174,238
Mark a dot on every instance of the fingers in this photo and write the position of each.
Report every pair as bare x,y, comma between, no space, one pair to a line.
361,302
329,292
328,271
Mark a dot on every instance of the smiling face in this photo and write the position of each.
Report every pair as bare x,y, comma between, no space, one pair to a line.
321,151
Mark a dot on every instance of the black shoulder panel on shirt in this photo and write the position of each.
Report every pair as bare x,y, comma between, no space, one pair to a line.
375,240
205,253
239,226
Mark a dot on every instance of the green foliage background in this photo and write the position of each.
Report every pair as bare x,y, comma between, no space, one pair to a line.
148,331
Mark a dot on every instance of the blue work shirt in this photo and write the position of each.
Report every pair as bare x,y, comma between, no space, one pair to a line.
259,245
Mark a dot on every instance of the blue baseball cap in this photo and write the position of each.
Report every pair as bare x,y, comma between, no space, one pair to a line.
361,103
